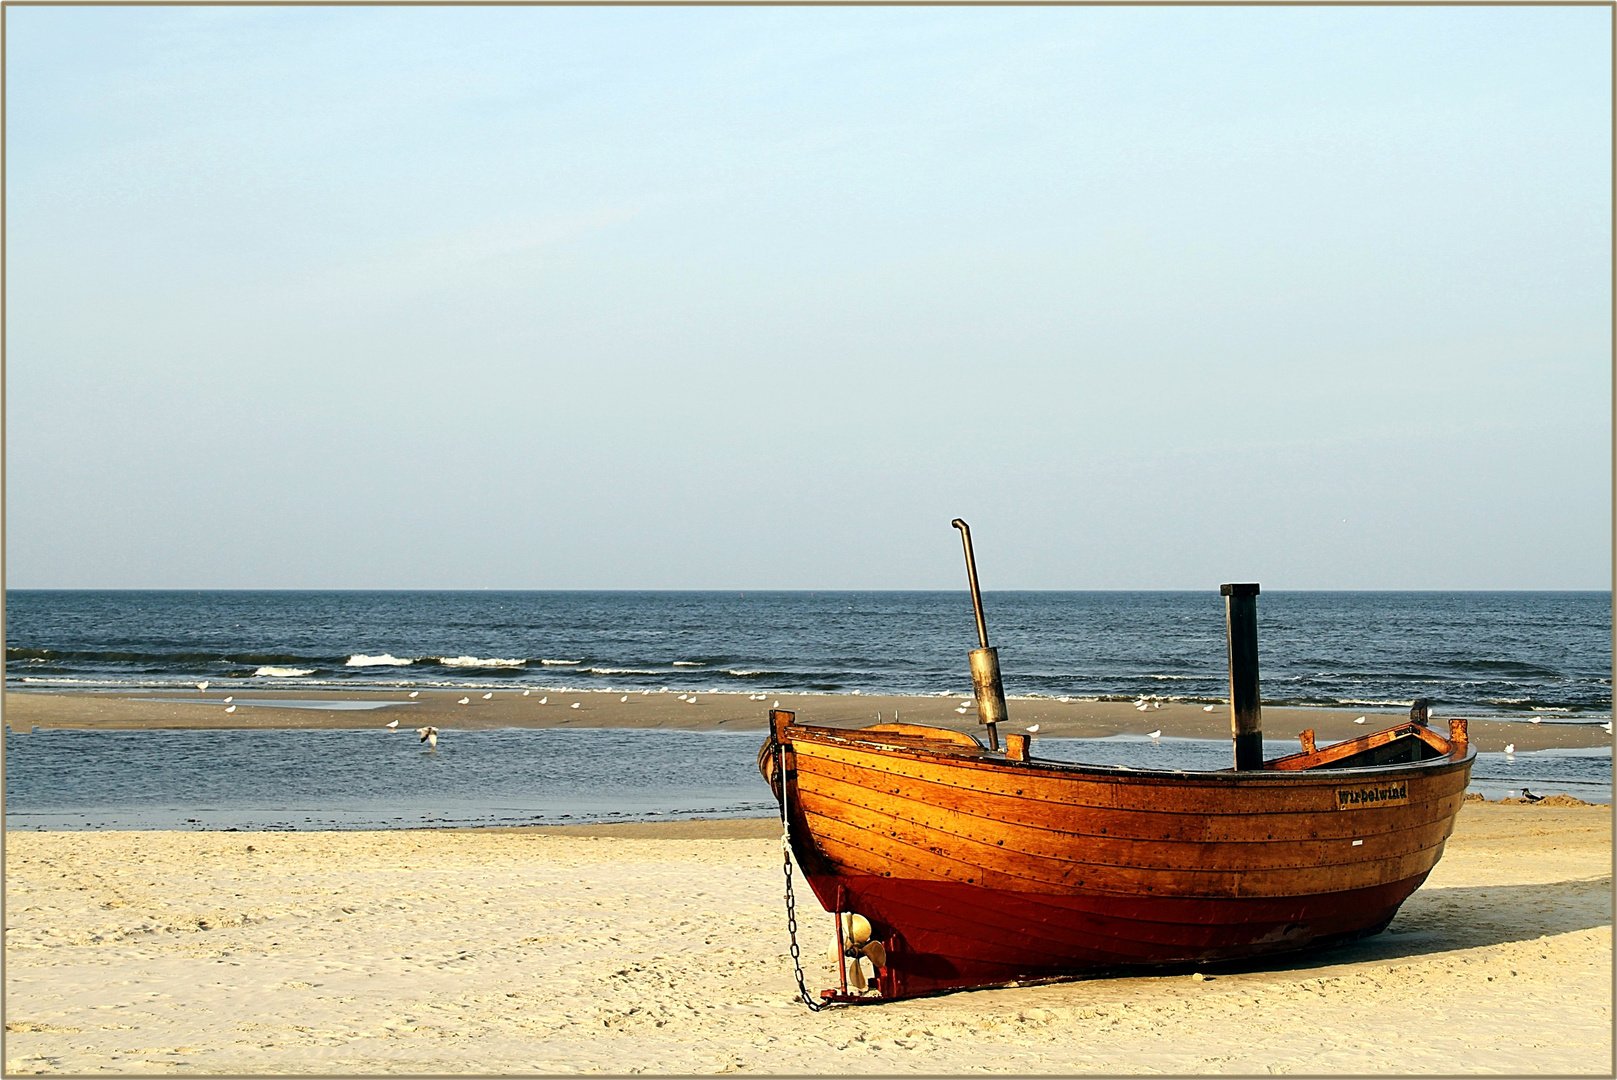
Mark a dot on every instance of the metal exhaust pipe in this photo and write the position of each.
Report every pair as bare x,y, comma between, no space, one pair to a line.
1246,712
985,681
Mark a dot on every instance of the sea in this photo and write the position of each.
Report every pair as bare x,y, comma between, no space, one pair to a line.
1514,656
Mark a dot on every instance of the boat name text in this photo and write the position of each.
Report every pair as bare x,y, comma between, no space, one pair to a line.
1379,795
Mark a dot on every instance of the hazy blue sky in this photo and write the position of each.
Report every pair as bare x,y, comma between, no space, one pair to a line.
762,297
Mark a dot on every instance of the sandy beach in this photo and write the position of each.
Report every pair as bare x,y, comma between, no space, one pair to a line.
1077,718
662,948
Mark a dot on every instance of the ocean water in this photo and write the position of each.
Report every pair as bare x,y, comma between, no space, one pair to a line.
380,779
1502,654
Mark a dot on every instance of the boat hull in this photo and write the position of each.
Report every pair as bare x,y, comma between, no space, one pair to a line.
978,870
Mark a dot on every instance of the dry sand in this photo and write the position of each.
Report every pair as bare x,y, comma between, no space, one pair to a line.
508,708
663,949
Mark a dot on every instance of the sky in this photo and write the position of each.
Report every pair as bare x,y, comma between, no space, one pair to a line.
753,298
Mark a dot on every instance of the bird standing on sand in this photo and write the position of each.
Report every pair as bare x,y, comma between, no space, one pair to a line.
574,705
622,699
1034,728
1154,735
1207,708
228,700
394,724
1361,720
488,695
465,701
231,709
429,735
415,693
202,686
1537,720
525,693
1530,797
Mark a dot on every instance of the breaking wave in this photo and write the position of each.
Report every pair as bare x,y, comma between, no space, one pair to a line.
385,660
284,672
561,663
475,661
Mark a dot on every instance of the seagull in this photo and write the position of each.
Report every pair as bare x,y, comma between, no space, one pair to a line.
545,700
525,693
1154,735
776,705
622,699
1361,719
1606,727
429,735
1157,705
1141,708
465,701
202,686
1529,796
1035,727
691,700
1207,708
488,695
575,705
965,704
1537,720
1510,748
394,724
415,693
231,709
682,697
228,700
961,710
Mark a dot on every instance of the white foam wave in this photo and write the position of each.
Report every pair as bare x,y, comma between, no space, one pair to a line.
560,663
740,674
622,671
689,663
385,660
284,672
475,661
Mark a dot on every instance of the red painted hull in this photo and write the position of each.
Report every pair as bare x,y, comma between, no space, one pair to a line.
948,936
977,869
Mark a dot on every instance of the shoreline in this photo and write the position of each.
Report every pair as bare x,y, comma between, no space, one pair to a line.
725,711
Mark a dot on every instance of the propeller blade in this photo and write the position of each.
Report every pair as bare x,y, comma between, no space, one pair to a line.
856,974
858,929
876,953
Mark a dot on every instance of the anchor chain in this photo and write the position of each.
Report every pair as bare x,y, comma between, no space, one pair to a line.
791,904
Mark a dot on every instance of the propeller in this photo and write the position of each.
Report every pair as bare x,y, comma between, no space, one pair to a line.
857,946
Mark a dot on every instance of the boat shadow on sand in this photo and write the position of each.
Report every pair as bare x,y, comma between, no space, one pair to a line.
1444,920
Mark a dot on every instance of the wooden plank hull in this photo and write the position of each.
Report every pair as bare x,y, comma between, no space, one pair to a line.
976,869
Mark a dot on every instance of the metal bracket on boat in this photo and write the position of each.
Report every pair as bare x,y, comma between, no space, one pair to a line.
985,681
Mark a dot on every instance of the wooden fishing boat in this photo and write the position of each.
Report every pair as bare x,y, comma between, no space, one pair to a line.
956,864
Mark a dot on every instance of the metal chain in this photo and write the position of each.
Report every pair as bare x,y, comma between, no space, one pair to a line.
791,906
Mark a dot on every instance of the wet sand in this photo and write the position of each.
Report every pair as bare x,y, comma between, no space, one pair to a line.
508,708
662,948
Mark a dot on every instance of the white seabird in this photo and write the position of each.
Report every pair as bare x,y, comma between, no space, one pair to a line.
429,735
415,693
1207,708
465,701
1154,735
574,705
488,695
1510,748
1035,727
622,699
202,686
231,709
1361,719
394,724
